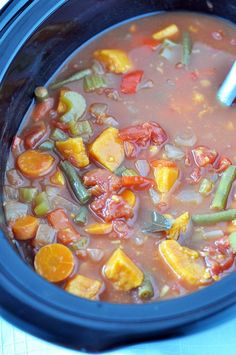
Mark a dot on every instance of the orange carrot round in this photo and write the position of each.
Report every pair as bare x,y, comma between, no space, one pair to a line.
54,262
34,164
25,228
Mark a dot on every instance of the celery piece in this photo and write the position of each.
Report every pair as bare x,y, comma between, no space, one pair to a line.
27,194
129,172
232,241
205,187
58,135
94,82
42,205
76,105
46,145
82,217
80,128
75,77
120,170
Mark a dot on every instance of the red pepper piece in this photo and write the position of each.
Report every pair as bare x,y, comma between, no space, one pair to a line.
34,134
223,164
204,156
150,42
41,109
137,182
130,81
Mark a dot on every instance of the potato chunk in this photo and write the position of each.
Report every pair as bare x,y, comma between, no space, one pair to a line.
73,149
186,263
122,272
108,149
85,287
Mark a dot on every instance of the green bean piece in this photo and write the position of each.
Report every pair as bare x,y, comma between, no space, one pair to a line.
129,172
75,77
186,48
76,185
224,187
146,291
58,135
213,218
42,204
205,187
232,241
27,194
46,145
41,93
94,82
82,217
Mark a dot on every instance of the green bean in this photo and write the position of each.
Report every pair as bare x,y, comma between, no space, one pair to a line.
146,290
76,185
212,218
224,187
82,216
46,145
232,241
75,77
186,49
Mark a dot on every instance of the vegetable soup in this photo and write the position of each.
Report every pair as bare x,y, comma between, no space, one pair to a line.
120,184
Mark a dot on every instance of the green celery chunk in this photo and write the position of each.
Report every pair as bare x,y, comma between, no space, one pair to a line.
46,145
58,135
94,82
129,172
27,194
82,243
205,187
76,105
42,204
80,128
232,241
75,77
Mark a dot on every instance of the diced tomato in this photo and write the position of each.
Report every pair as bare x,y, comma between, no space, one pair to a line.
150,42
137,182
34,134
204,156
195,176
110,207
157,134
130,81
42,108
121,229
223,164
163,163
67,235
102,181
59,219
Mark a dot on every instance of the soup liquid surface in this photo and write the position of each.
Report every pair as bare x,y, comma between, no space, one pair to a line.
182,100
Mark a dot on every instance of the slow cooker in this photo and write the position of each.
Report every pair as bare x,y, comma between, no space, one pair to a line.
36,37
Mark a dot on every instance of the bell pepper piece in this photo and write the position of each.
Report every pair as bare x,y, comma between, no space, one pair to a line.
130,81
108,149
179,226
57,178
73,149
167,32
115,60
122,272
85,287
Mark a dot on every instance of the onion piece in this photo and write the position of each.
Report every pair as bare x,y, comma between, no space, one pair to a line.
98,68
58,201
148,84
14,178
173,153
189,196
95,255
111,121
143,167
213,234
14,210
155,196
10,193
45,235
52,191
186,139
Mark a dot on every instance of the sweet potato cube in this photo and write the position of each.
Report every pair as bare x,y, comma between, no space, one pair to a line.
115,60
180,225
73,149
85,287
186,263
108,149
122,272
165,177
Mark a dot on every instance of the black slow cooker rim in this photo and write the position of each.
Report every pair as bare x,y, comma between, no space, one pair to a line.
50,300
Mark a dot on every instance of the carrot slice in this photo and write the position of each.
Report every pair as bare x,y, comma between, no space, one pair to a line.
25,228
54,262
34,164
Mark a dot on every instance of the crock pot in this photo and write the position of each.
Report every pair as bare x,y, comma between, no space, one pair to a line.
36,37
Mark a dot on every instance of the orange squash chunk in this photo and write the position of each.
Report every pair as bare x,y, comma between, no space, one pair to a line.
85,287
73,149
186,263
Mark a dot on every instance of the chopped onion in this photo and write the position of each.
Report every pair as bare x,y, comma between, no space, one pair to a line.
95,255
14,210
189,196
111,121
186,139
14,178
98,110
139,239
173,152
58,201
165,289
218,233
143,167
98,68
52,191
154,196
148,84
45,235
10,193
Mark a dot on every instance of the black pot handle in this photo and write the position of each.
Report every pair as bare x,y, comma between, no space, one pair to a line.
10,11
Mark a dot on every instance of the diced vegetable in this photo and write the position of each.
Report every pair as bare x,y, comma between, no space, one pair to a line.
76,106
167,32
155,196
95,254
142,167
73,149
42,108
99,228
108,149
213,218
41,93
57,178
186,49
34,134
76,185
85,287
223,189
186,139
82,217
45,235
204,156
186,263
54,262
58,219
122,272
130,81
42,204
25,228
160,223
46,145
137,182
14,178
81,244
223,164
52,191
129,172
58,135
232,241
74,77
173,152
99,111
10,193
102,181
206,187
166,174
80,128
34,164
68,235
179,225
129,197
146,290
58,201
14,210
114,60
27,194
94,82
